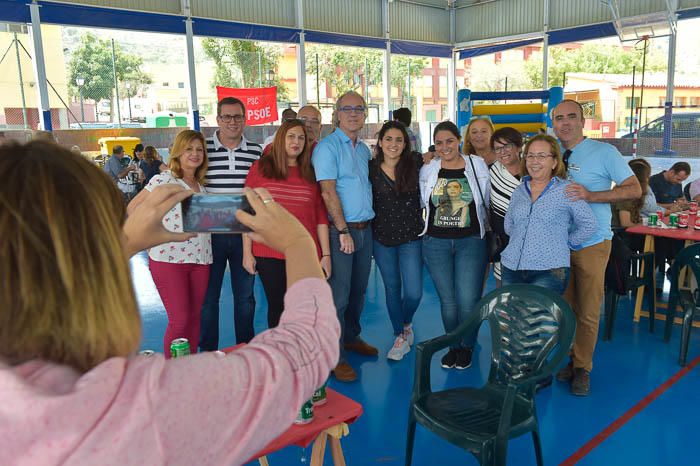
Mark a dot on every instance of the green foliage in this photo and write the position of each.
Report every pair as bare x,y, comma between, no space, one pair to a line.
243,63
592,58
92,61
343,68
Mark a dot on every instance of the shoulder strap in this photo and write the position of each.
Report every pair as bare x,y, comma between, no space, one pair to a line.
481,195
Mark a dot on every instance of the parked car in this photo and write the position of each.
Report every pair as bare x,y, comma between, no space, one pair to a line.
685,136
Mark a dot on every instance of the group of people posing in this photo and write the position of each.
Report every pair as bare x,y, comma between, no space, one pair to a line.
551,210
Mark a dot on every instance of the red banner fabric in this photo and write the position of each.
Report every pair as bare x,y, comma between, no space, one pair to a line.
260,102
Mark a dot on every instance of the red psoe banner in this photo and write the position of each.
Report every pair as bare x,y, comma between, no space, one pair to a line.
260,102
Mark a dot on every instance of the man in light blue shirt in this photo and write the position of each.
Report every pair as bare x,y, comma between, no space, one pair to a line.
341,161
593,167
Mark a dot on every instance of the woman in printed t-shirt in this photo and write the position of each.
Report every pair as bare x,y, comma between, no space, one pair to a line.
286,172
455,190
396,230
181,270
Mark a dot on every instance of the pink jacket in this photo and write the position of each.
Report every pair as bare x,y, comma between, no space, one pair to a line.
204,409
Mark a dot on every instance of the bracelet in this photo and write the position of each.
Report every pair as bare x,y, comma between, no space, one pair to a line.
326,255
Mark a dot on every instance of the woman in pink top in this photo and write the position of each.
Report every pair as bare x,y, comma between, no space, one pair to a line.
73,390
286,172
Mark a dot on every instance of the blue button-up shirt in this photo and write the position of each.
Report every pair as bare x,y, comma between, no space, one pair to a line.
542,232
336,158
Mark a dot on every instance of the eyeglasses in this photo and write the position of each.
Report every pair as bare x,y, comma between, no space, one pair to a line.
539,156
349,109
235,118
313,121
503,148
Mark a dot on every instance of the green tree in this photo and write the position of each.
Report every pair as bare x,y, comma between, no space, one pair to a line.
349,68
244,63
92,62
592,58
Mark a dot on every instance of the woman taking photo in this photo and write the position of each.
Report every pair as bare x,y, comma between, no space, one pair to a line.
453,246
542,222
477,139
396,230
286,172
73,389
504,175
181,270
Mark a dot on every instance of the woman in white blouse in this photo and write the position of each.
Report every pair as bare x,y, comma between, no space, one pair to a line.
181,270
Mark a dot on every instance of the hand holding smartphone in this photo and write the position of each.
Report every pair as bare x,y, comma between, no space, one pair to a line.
214,213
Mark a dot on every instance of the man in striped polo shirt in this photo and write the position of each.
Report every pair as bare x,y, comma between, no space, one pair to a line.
230,157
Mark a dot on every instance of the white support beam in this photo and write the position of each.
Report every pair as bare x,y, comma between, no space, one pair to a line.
452,70
386,75
301,54
40,68
189,41
545,47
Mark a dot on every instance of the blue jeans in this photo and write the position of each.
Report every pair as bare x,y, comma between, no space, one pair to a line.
402,270
553,279
228,249
457,267
349,282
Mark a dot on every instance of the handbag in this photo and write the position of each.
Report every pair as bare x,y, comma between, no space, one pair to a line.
495,244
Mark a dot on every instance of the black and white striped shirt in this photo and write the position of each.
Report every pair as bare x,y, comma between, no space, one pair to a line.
502,186
228,168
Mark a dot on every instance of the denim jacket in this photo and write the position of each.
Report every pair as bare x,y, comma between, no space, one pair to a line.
543,232
429,176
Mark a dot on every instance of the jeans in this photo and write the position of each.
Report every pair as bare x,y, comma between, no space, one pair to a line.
457,267
553,279
349,282
402,270
228,249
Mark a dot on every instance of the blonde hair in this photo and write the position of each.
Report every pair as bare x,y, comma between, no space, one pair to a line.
467,147
182,140
560,170
66,294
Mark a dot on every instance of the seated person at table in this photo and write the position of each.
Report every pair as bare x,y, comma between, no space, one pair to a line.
628,213
542,222
694,190
668,186
73,389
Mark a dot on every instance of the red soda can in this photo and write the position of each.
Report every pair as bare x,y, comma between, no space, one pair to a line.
660,213
693,207
697,223
683,219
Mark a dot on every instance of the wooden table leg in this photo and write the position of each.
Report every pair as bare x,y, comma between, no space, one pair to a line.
263,461
648,247
319,450
337,452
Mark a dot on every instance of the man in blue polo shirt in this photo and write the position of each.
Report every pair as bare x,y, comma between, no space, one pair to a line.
593,167
341,164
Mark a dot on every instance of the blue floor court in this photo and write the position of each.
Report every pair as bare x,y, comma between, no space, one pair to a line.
627,369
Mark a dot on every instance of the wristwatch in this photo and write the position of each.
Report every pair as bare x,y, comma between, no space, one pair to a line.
344,231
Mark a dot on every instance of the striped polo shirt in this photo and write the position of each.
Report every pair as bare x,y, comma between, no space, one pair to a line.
228,168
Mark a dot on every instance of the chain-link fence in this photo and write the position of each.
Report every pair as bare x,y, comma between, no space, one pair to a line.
682,140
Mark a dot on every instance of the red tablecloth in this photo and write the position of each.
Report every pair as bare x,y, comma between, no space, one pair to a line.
686,234
338,409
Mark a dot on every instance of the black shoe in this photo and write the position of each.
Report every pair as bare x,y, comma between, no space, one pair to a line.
464,358
566,373
581,383
448,360
544,383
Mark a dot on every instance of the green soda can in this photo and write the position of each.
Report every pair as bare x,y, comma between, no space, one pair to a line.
147,352
653,219
673,220
179,347
319,396
306,413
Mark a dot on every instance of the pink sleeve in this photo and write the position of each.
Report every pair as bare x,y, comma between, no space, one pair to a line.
321,212
211,409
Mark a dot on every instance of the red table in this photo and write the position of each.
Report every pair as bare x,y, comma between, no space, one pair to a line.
330,423
689,235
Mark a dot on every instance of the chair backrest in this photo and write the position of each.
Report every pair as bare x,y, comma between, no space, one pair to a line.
688,256
532,330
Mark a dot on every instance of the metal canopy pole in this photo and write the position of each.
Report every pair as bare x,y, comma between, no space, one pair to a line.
189,43
452,71
386,75
40,68
545,47
670,76
301,55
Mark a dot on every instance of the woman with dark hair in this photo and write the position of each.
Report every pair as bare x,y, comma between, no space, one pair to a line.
181,270
151,164
396,230
454,249
504,175
286,172
629,213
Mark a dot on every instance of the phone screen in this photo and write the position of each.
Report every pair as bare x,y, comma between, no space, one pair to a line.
214,213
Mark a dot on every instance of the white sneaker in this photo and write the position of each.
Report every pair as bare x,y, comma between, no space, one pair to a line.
408,334
400,349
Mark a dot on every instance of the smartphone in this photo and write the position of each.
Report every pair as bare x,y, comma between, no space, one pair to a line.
214,213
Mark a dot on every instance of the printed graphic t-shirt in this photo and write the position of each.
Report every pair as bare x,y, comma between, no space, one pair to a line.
452,207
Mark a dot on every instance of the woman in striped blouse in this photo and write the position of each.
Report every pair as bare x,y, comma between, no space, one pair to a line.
505,177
